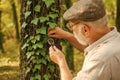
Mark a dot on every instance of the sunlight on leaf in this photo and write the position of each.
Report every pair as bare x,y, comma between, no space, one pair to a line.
26,14
49,2
29,2
24,25
35,21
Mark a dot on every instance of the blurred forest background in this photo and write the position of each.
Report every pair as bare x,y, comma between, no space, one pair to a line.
10,38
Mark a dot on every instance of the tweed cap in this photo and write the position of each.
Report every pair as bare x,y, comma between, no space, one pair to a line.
85,10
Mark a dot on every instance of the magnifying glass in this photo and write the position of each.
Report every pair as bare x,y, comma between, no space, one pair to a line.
51,42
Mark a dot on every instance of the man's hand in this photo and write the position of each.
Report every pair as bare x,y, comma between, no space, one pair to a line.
56,55
61,34
57,33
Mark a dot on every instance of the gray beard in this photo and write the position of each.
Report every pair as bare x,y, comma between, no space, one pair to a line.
81,39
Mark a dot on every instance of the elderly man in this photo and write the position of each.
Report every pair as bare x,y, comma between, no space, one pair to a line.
100,43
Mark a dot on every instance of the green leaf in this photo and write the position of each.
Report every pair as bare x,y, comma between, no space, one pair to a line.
55,10
43,52
32,78
28,70
40,45
35,21
37,8
29,54
37,53
32,58
29,2
24,46
47,76
37,37
38,66
43,19
31,37
24,24
47,58
51,67
37,77
41,30
43,61
53,16
34,46
26,14
52,24
33,41
49,2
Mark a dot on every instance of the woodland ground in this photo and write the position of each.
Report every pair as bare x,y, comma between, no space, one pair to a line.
9,61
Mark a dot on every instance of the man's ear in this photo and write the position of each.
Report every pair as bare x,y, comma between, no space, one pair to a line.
86,30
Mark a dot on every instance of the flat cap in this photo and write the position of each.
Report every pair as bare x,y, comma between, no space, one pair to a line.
85,10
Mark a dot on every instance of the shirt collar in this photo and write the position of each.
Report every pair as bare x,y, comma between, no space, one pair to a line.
107,36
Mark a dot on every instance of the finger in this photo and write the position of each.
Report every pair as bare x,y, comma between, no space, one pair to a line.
55,48
49,29
53,36
52,31
52,50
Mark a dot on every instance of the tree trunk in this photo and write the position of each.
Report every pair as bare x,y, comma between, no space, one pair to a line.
35,63
1,36
15,19
118,16
69,48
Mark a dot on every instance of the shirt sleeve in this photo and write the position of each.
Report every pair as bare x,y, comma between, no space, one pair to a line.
94,70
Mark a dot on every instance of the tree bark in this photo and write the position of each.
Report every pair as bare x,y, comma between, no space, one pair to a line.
15,19
1,35
118,16
69,48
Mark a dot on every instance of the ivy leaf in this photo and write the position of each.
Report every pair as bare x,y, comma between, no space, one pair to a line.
35,21
32,78
42,30
55,10
31,37
43,19
47,58
52,24
43,51
29,48
24,24
24,46
29,2
43,61
38,66
47,76
49,2
29,54
51,67
28,70
27,13
37,37
53,16
37,8
37,77
34,46
40,45
33,41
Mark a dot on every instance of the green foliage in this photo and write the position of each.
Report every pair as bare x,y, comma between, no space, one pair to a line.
110,6
49,2
37,8
35,41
